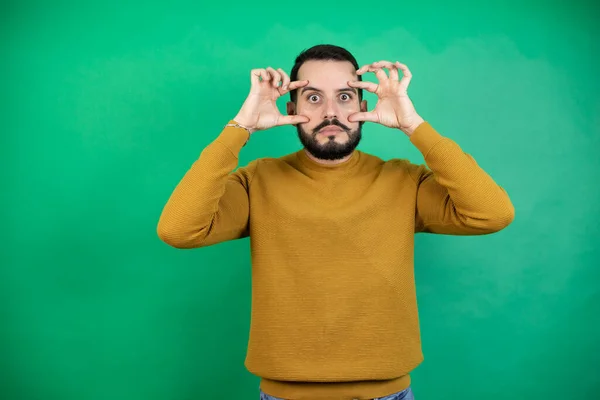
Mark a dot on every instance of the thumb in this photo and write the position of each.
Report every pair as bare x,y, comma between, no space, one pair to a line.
363,116
292,120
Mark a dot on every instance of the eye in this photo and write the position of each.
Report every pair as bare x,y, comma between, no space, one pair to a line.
346,95
312,97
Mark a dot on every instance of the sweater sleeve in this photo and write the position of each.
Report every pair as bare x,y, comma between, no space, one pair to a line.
455,196
210,204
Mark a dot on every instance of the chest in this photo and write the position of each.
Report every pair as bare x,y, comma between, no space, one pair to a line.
298,200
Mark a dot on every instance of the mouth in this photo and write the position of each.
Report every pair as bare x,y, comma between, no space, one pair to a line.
331,130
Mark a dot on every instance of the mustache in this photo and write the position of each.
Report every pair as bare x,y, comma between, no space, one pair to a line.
330,122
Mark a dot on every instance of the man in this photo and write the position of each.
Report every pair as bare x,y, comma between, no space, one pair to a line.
334,312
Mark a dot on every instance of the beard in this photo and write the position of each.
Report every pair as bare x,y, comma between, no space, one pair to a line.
330,150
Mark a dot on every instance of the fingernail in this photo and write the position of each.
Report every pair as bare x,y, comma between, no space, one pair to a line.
285,87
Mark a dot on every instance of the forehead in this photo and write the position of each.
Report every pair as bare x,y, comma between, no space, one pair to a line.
325,74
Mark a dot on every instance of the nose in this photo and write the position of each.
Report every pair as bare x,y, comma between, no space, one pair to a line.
331,110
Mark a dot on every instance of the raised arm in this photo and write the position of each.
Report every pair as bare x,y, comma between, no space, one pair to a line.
455,196
211,202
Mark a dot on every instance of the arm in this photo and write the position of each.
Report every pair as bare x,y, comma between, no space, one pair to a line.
455,196
210,204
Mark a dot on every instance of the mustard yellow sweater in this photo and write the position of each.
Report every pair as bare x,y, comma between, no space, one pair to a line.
334,312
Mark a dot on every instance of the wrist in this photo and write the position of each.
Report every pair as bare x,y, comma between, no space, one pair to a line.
240,121
409,130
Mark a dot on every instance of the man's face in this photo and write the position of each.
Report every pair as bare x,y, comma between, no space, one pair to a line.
327,101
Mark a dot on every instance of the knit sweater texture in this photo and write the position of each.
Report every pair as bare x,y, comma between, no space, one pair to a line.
334,306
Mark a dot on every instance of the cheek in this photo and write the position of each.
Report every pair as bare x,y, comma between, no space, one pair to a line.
349,109
311,112
315,112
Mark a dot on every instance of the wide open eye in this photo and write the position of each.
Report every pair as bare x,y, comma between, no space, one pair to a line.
313,98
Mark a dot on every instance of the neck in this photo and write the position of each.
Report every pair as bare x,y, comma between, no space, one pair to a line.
327,162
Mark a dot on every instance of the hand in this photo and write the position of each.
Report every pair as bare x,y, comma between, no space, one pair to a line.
260,111
394,108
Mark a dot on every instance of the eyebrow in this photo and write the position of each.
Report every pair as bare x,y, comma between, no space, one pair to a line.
347,89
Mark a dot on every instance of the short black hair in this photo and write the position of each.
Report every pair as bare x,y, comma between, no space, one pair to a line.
322,52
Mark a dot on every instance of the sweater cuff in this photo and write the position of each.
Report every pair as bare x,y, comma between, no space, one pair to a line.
233,138
425,137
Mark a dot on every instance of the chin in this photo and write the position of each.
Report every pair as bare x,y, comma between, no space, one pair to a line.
330,150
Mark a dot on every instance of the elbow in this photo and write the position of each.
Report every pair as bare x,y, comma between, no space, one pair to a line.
504,221
506,212
169,237
501,219
174,237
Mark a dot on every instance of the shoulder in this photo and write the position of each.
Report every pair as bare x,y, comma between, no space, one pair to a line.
397,166
284,162
264,165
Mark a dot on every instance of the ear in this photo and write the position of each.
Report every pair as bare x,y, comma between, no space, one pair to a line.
291,108
363,106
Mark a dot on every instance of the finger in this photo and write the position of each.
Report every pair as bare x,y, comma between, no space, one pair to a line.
392,67
379,72
407,76
255,75
378,64
276,77
394,71
363,69
264,75
297,84
292,120
285,78
368,86
363,116
383,64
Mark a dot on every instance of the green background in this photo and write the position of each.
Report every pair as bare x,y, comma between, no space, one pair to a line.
104,106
